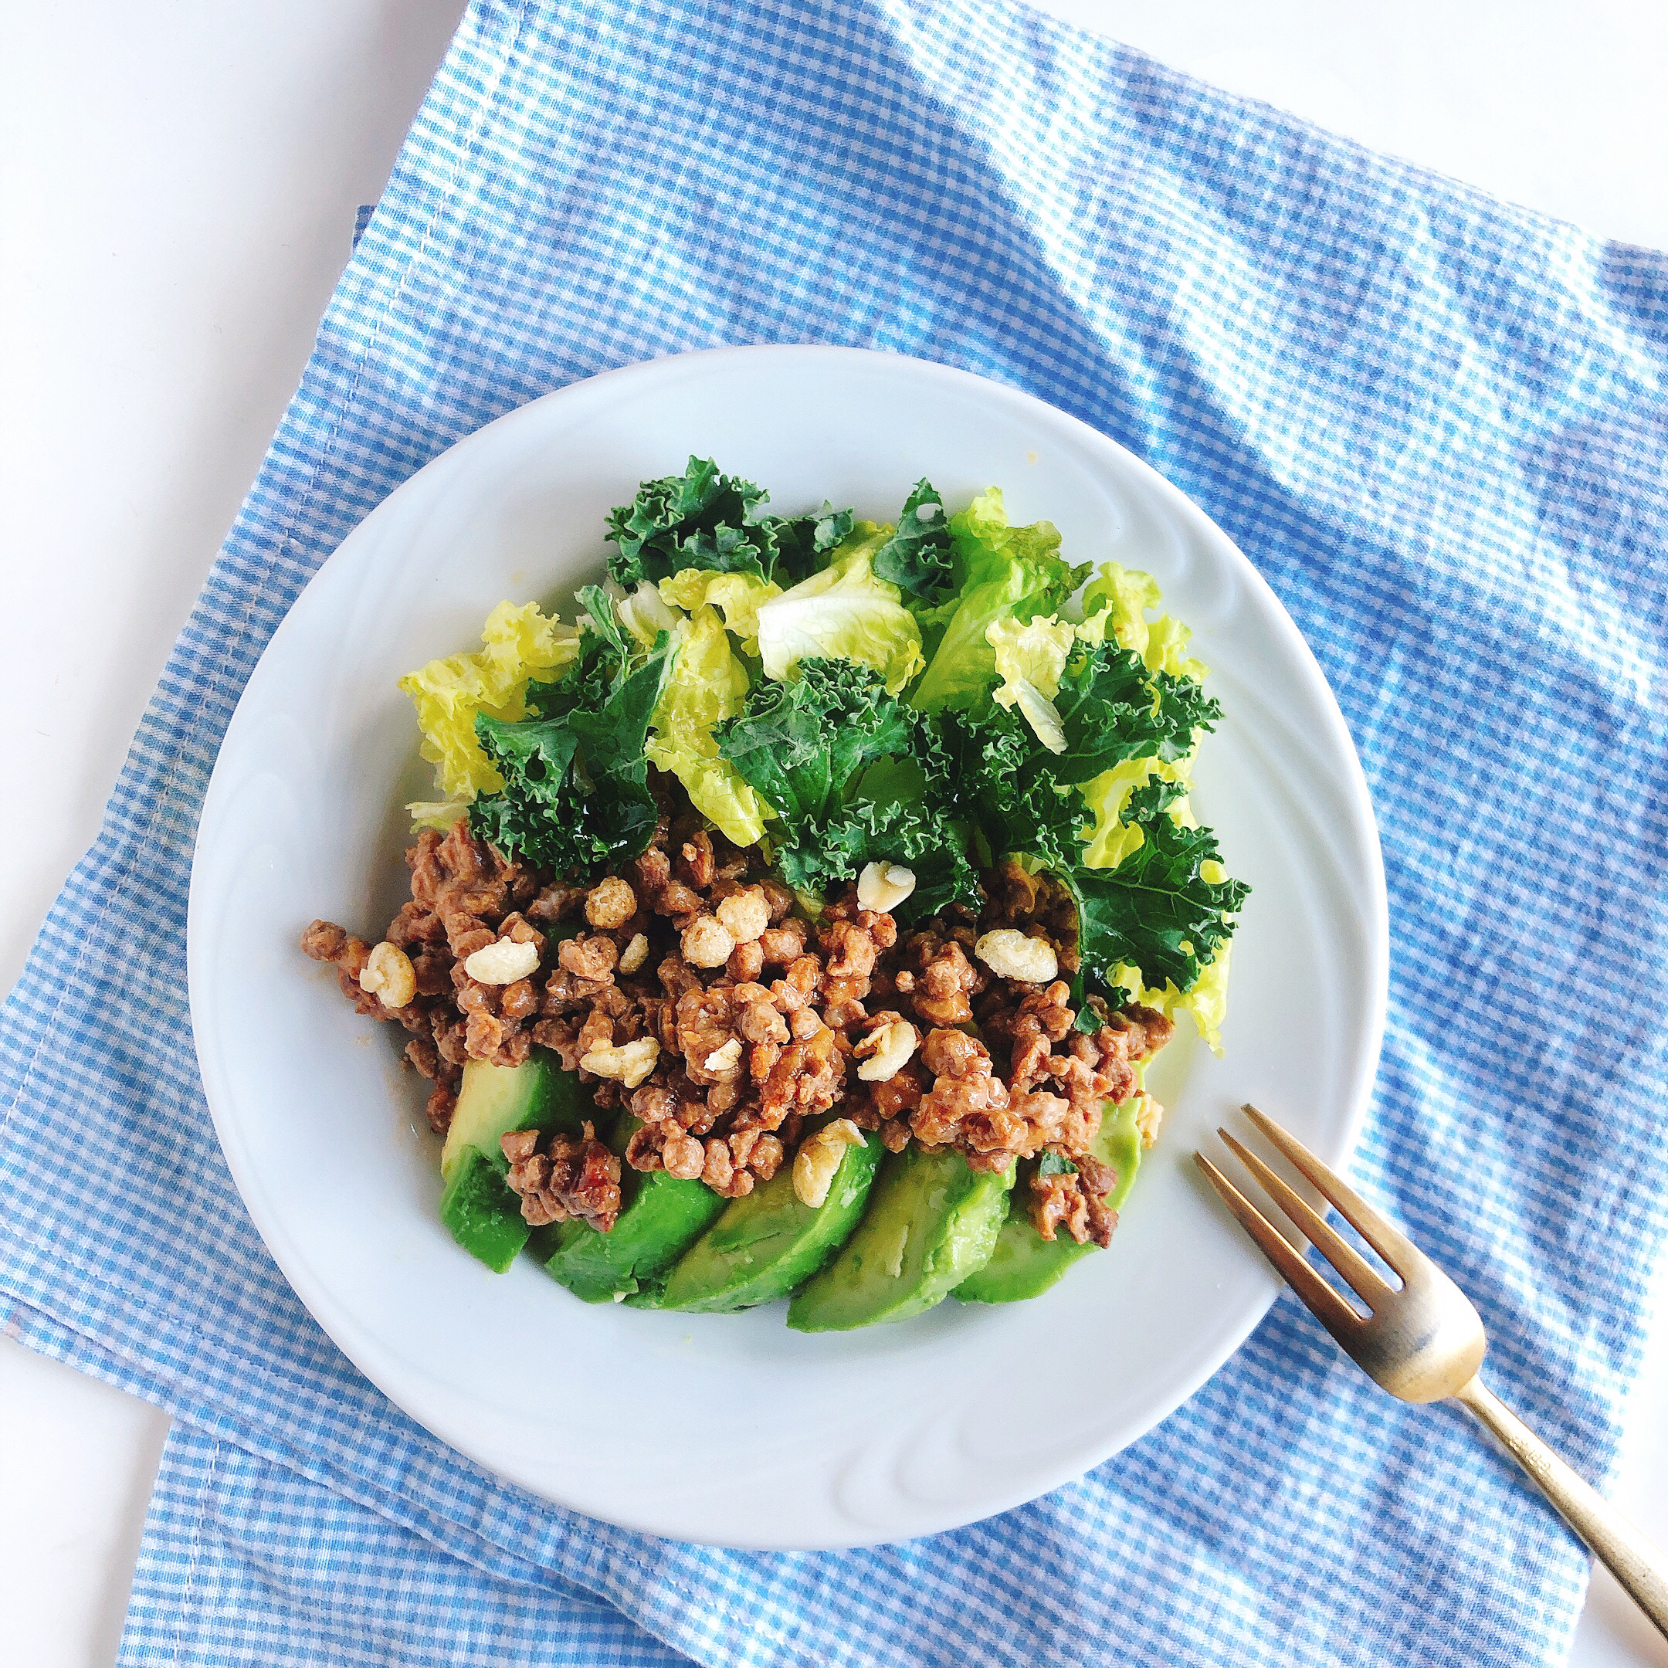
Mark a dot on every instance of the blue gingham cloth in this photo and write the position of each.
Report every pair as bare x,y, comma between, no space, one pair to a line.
1436,423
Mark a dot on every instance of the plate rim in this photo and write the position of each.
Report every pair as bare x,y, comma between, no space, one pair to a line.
1363,842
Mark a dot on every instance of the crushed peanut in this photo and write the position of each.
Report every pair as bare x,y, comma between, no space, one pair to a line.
818,1159
634,954
610,903
1148,1116
883,886
388,976
1010,954
725,1058
707,942
502,962
885,1052
628,1064
744,915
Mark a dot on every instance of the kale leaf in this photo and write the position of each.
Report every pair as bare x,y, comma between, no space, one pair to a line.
802,542
1155,910
802,747
986,768
1112,708
708,520
576,796
699,519
919,556
815,750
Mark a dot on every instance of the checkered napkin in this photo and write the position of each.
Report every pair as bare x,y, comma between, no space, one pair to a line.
1437,425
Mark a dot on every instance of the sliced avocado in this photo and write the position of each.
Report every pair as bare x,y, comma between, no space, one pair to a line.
1024,1263
659,1218
484,1216
931,1222
766,1244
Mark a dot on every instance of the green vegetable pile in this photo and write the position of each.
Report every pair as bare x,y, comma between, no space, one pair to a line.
939,693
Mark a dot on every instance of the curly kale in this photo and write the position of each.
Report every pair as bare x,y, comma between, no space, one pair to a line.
810,749
919,558
803,542
1155,910
704,519
576,796
1112,709
986,769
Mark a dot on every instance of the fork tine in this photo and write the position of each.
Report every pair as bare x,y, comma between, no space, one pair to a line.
1320,1234
1378,1230
1329,1308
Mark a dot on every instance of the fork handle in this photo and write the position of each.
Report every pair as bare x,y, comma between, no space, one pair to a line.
1640,1566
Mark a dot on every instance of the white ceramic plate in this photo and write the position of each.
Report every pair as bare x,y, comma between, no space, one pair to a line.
769,1438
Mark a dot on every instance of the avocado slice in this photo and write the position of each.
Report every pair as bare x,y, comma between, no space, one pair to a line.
1024,1263
658,1220
931,1222
766,1244
477,1205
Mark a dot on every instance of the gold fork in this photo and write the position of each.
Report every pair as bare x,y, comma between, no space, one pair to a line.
1423,1341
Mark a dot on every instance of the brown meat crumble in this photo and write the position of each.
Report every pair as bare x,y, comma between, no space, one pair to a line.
691,991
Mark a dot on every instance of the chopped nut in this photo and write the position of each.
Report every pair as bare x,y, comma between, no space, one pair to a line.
886,1050
634,954
388,975
1009,954
629,1064
502,962
611,903
883,886
1148,1116
725,1058
744,915
707,942
819,1157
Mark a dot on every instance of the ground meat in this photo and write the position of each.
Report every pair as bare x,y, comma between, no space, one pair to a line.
588,958
945,980
325,941
442,1103
805,1078
1075,1201
570,1177
757,1042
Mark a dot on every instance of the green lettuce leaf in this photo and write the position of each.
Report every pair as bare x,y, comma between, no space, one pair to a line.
520,646
1005,572
843,612
708,686
1030,659
1115,604
737,596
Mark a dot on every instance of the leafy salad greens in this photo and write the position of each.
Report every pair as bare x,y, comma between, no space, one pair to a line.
942,693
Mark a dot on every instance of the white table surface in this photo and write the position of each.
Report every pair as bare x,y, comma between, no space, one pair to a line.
177,188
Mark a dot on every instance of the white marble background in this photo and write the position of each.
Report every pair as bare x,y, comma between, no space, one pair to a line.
177,187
